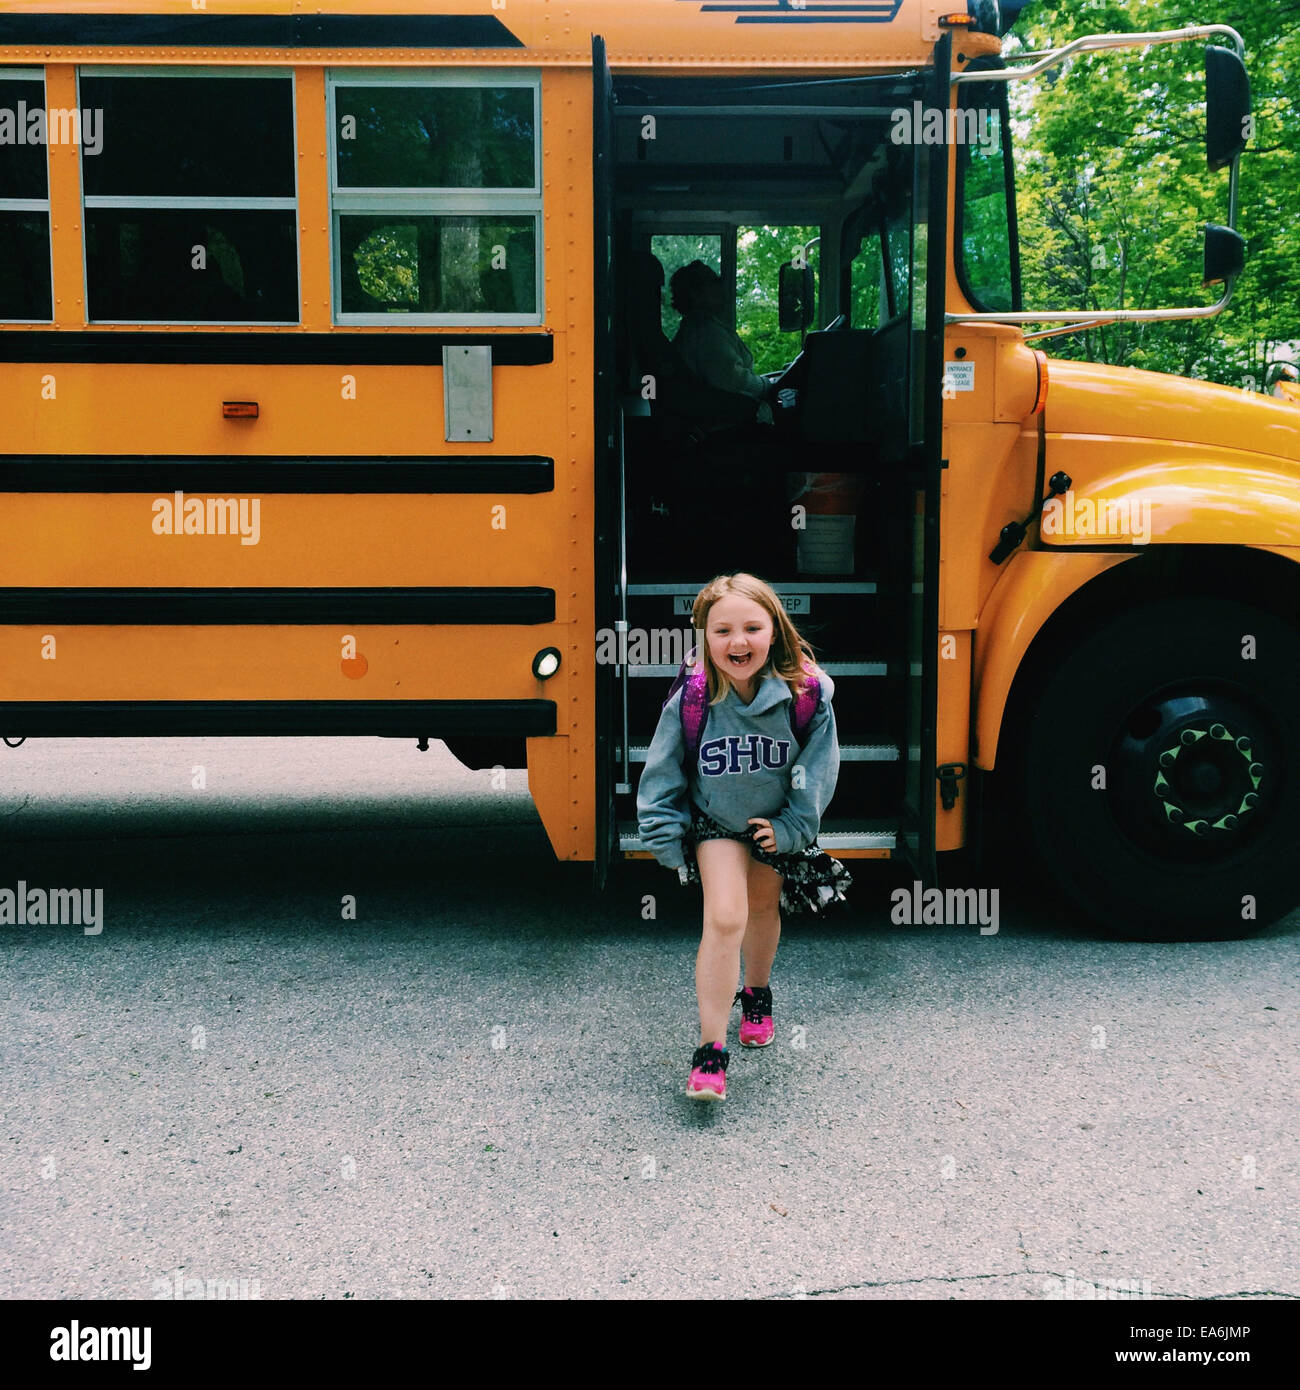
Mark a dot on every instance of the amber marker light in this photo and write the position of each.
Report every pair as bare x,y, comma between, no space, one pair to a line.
239,410
953,21
1040,399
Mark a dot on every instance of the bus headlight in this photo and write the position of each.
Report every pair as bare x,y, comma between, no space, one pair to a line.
546,663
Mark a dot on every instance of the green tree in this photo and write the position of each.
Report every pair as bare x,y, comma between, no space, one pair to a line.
1114,189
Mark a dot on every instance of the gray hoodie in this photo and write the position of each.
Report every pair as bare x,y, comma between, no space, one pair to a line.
747,757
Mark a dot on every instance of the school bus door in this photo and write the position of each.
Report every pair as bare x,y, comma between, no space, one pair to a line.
923,784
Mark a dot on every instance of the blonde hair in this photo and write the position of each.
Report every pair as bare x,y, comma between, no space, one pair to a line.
788,652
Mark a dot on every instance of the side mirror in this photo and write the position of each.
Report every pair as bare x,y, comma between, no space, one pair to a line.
1225,254
1227,106
797,299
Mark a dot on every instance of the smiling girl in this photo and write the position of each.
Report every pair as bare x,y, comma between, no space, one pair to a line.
741,817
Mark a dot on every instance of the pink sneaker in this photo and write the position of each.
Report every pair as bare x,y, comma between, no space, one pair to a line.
708,1073
756,1026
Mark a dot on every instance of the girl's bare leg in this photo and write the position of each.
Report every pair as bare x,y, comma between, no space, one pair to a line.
763,928
723,875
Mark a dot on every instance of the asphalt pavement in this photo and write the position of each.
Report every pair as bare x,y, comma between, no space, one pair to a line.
470,1083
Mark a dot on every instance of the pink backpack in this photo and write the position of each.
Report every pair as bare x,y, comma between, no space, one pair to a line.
694,685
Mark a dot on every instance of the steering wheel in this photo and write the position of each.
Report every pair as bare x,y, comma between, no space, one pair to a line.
837,325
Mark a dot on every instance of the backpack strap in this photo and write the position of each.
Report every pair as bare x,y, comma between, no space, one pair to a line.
695,709
805,704
693,682
682,673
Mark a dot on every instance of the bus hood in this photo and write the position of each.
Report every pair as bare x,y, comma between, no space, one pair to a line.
1089,399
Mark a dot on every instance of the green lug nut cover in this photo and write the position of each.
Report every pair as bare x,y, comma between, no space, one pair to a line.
1174,813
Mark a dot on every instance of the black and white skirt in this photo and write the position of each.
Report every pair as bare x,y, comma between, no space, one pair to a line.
813,880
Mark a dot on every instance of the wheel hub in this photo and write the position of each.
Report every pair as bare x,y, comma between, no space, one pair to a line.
1189,776
1203,774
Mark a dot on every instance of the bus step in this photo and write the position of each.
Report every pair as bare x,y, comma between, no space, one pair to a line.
838,669
849,753
691,587
843,835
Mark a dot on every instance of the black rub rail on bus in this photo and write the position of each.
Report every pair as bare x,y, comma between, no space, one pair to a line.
412,475
322,718
283,348
258,31
261,607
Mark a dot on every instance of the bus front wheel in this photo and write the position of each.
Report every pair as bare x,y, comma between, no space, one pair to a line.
1157,767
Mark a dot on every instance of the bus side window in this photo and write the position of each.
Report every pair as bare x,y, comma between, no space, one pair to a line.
191,208
25,290
437,199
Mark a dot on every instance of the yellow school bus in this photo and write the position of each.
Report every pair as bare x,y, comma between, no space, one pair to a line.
340,397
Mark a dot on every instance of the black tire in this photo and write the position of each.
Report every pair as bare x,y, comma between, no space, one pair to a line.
478,752
1163,699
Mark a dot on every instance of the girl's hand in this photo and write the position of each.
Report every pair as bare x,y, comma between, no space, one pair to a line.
764,836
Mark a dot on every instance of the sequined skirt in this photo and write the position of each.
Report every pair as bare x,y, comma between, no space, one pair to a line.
813,881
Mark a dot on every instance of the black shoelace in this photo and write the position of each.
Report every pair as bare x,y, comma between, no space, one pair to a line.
709,1059
756,1008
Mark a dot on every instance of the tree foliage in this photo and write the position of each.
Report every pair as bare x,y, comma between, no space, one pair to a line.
1114,192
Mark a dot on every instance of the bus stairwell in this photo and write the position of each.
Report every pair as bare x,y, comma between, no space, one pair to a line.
784,196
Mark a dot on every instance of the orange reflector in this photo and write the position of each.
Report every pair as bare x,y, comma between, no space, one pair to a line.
239,410
1040,399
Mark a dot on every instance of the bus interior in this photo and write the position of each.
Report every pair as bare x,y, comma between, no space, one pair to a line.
749,175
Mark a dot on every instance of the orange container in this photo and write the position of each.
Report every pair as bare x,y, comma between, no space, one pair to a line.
826,494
